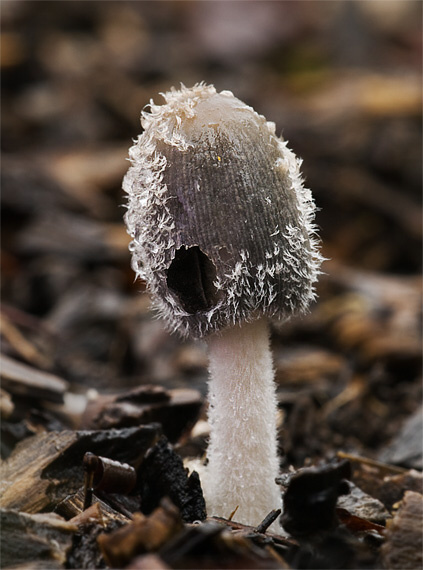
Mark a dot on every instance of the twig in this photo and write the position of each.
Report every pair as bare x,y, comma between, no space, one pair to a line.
268,520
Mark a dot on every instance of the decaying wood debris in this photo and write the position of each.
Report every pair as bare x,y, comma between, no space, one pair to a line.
161,513
22,380
47,467
175,410
44,538
85,367
404,545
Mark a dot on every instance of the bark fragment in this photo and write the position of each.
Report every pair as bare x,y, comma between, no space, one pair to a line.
403,547
143,534
34,537
163,475
23,380
45,468
176,410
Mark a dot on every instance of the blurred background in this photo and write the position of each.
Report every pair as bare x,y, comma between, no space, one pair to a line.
342,82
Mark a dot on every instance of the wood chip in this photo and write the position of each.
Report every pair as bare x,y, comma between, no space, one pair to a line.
387,483
45,468
100,512
29,538
403,547
143,534
362,505
176,410
22,380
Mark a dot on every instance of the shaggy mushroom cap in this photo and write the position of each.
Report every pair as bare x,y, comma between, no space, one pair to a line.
221,225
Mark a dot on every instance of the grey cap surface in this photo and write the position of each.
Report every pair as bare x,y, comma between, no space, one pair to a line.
221,224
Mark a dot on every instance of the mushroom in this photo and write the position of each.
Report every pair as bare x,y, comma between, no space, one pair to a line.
222,232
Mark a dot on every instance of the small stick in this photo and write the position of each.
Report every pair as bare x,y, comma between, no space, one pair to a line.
268,520
371,463
90,462
231,516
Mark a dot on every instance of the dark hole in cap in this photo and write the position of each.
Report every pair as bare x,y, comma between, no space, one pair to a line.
190,276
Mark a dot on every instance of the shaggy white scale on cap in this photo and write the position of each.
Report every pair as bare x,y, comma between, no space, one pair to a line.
222,233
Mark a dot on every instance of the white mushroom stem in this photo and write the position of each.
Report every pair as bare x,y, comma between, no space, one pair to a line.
242,453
